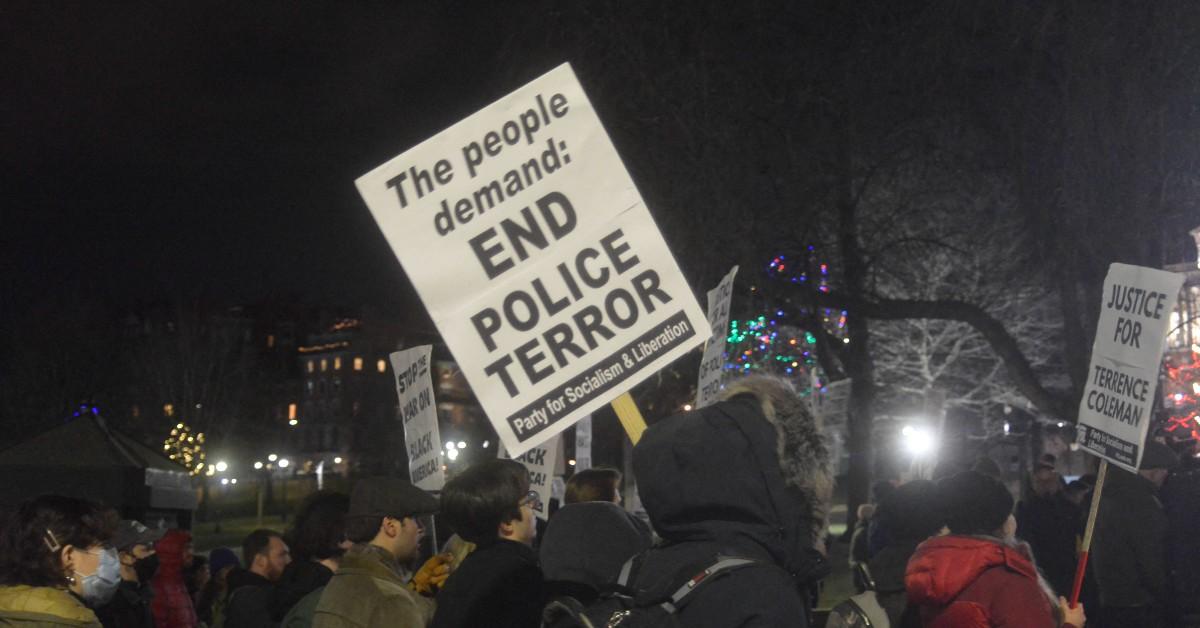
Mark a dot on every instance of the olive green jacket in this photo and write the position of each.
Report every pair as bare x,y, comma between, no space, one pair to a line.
367,591
43,607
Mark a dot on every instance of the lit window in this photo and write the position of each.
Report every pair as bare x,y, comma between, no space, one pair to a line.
168,409
291,411
382,366
324,365
337,364
310,366
270,341
358,364
136,412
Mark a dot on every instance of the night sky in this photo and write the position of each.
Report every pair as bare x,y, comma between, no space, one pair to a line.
168,149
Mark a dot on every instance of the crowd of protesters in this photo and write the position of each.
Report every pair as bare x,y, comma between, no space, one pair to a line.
737,496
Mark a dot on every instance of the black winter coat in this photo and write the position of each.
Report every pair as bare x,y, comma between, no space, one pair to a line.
299,578
1050,525
129,608
249,600
712,484
499,586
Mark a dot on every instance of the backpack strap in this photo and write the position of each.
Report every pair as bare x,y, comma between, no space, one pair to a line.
630,569
724,564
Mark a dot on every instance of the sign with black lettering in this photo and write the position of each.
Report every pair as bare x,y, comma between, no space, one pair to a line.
1114,413
538,260
540,461
712,366
418,411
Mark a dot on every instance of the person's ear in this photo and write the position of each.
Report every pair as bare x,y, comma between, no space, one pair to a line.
126,558
507,529
67,556
391,527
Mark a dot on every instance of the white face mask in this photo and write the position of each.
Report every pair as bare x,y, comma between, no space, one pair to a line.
98,587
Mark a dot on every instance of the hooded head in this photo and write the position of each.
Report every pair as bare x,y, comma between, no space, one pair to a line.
589,542
174,550
751,470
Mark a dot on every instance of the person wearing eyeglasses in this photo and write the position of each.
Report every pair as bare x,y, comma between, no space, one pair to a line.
500,584
56,561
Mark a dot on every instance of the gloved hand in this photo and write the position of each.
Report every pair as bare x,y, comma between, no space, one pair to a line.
432,575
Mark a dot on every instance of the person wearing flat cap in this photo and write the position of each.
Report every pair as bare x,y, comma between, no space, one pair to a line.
130,606
1129,550
368,588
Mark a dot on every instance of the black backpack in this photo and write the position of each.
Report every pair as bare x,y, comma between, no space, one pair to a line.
621,606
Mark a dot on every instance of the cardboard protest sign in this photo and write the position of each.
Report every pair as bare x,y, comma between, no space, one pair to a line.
1114,413
712,366
529,244
540,461
419,412
583,444
831,403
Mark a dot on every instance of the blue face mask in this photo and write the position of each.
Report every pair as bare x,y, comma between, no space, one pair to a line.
98,587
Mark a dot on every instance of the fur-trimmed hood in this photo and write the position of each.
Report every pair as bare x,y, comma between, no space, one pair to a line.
750,472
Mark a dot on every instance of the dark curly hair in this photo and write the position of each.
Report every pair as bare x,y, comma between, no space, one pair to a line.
34,533
479,499
319,526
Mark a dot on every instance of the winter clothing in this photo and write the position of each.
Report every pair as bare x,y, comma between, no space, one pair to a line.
367,591
498,585
43,607
968,581
1129,548
887,570
299,578
587,543
249,601
302,612
172,606
911,514
1181,502
131,533
390,497
221,558
129,608
747,477
1050,525
974,503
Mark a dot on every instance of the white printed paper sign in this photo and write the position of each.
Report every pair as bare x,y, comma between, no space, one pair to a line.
712,366
540,462
419,413
583,444
1114,413
537,258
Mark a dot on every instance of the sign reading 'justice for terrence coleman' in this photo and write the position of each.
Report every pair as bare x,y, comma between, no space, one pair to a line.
537,259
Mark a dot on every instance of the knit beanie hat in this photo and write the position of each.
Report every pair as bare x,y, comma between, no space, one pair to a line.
974,503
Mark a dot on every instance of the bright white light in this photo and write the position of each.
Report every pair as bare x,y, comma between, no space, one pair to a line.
257,464
486,443
293,422
462,444
337,460
1196,388
687,407
1178,396
221,466
571,462
233,481
272,457
1061,424
452,454
224,481
918,441
450,445
283,463
1007,427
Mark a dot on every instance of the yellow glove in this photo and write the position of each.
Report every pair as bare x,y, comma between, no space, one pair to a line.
432,575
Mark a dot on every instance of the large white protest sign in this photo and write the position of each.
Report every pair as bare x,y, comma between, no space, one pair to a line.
1114,413
419,412
537,259
540,461
712,366
583,444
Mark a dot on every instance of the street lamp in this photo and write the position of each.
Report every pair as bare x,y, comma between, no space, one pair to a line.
258,464
272,457
222,466
283,463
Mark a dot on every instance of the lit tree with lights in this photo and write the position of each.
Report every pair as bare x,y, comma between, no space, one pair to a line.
187,449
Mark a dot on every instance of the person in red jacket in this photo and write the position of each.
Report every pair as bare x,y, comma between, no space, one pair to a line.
978,575
172,606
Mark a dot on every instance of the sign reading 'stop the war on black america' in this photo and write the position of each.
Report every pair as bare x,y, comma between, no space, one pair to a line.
1114,414
537,259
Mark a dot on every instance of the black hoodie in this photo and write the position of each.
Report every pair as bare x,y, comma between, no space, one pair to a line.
732,480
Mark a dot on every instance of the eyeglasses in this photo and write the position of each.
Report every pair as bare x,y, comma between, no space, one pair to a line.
531,499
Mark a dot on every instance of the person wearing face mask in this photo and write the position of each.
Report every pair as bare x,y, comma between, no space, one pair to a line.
55,561
130,606
979,574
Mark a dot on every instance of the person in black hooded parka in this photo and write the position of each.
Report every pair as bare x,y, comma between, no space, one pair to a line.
747,477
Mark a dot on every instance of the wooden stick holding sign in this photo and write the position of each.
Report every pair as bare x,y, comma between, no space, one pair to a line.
1087,534
630,416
